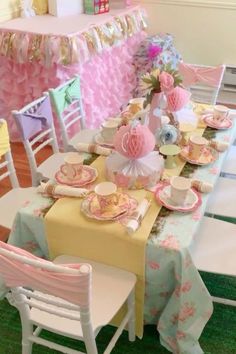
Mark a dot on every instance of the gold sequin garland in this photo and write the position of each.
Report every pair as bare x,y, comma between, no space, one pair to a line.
108,33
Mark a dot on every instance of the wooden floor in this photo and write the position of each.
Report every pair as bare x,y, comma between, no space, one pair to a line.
23,173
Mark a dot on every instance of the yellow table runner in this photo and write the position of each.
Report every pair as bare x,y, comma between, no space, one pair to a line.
70,232
4,138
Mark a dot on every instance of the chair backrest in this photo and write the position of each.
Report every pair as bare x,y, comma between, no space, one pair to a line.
204,82
7,168
32,279
67,102
35,123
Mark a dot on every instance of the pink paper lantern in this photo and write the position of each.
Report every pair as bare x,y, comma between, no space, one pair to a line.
134,141
177,99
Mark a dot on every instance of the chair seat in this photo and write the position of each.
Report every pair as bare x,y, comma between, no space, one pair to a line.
106,280
50,166
12,201
222,199
214,247
229,166
84,136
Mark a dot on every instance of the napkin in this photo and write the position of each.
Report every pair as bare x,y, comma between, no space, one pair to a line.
56,190
137,217
93,148
201,186
220,146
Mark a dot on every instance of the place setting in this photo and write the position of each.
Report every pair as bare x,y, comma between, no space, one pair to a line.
178,194
74,173
107,203
198,151
107,132
218,118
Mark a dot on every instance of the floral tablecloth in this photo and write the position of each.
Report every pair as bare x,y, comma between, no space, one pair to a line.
176,299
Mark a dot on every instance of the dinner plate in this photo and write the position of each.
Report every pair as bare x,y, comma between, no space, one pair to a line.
209,121
91,208
87,175
163,196
208,156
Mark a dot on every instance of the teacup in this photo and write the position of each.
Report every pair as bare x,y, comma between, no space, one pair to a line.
220,113
107,195
197,144
136,105
73,165
109,128
179,189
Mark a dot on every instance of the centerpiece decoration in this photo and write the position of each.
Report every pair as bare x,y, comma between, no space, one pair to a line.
165,95
134,164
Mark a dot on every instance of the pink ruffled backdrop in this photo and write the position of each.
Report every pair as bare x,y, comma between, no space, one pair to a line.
107,82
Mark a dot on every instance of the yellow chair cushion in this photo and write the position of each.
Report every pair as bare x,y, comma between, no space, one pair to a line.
40,6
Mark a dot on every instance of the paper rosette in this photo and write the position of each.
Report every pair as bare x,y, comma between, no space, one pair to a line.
140,173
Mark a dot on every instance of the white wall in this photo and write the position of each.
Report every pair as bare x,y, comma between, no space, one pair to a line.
204,31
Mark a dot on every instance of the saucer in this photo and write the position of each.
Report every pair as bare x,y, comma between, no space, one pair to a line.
209,121
90,207
192,202
88,175
98,138
208,156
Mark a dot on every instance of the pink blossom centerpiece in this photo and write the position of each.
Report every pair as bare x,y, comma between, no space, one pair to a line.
164,94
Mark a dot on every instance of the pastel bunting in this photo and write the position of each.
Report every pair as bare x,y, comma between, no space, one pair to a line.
70,49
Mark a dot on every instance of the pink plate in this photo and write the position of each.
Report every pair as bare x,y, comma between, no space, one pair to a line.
88,175
90,207
208,156
193,200
208,120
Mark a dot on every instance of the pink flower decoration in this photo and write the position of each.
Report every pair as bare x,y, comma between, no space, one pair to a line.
166,82
153,311
37,212
214,171
153,51
196,215
25,203
180,335
153,265
226,138
186,287
170,242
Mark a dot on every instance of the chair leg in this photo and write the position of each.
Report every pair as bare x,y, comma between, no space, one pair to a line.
26,347
131,323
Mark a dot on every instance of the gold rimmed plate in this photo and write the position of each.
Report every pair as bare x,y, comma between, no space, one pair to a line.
87,175
210,122
91,208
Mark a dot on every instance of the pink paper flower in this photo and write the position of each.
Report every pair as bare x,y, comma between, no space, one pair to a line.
154,265
170,242
153,51
166,82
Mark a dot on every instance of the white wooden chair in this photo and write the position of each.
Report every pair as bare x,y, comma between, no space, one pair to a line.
222,199
214,248
35,123
229,165
67,102
42,292
13,200
203,81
